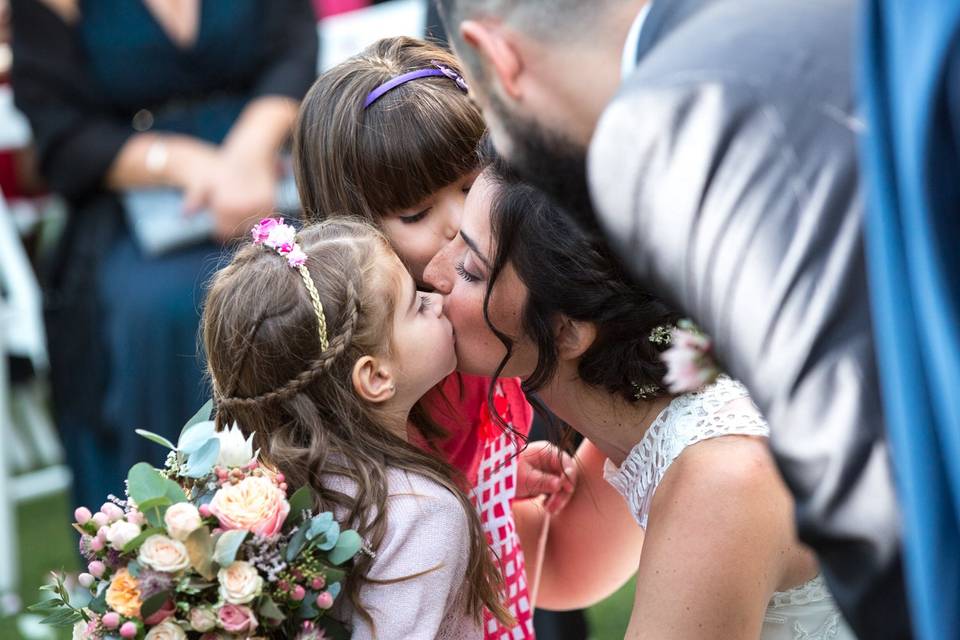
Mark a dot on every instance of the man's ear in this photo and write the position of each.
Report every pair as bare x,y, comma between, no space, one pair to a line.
574,337
498,53
373,380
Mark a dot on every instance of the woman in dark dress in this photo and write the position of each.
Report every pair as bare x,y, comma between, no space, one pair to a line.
197,95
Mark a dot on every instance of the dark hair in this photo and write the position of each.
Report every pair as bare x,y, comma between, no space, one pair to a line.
413,141
568,272
270,374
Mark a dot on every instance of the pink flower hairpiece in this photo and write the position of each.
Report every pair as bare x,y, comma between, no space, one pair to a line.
282,238
273,233
689,360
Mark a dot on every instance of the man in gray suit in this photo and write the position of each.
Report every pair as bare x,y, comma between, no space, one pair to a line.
722,166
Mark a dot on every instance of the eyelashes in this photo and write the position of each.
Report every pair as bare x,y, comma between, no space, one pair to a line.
463,273
417,217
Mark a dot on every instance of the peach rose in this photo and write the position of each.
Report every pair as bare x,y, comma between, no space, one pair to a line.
239,583
164,554
237,618
123,594
166,630
254,504
182,519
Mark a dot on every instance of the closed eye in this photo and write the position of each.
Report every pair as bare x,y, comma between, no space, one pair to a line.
417,217
463,273
425,302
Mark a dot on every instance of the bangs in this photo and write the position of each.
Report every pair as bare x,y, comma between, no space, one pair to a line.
417,139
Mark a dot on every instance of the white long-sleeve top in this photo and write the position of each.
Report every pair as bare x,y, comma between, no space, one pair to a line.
426,529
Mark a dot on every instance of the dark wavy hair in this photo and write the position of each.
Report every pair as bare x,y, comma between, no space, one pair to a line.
568,272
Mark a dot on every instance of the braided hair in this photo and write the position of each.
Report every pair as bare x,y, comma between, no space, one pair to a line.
271,375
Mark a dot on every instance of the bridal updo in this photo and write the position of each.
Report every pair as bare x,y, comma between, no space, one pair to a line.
566,272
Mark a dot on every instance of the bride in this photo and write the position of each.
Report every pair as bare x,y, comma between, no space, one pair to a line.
529,295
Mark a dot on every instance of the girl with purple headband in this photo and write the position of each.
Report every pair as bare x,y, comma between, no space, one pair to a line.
391,135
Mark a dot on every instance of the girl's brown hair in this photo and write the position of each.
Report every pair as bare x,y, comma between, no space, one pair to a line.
416,139
269,374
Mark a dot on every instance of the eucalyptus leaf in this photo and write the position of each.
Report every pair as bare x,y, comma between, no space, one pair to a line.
296,544
154,437
347,546
330,538
134,568
174,492
153,503
334,630
134,544
201,462
144,482
99,603
319,524
153,604
200,550
270,612
202,415
333,574
227,546
308,607
195,435
334,589
300,501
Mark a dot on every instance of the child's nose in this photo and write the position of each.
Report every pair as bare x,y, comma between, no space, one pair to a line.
438,272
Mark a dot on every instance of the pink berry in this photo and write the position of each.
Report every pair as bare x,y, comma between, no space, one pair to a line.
100,519
205,511
82,515
283,486
281,477
128,630
111,620
318,583
97,543
324,600
113,511
85,580
96,568
135,517
298,593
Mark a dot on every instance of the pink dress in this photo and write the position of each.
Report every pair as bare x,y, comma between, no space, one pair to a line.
487,455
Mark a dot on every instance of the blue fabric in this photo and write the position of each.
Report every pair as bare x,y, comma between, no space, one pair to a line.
910,79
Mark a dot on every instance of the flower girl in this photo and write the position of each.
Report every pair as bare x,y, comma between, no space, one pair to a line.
320,345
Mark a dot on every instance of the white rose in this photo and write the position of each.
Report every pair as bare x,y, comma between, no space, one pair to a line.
182,519
234,450
239,583
202,619
164,554
166,630
121,532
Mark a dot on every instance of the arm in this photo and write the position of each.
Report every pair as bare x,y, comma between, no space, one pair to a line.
426,531
719,536
593,544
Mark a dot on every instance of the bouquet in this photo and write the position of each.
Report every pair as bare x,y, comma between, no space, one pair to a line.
208,547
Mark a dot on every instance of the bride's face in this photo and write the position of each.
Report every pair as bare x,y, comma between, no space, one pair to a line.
460,272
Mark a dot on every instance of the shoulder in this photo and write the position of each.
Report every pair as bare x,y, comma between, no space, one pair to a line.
419,507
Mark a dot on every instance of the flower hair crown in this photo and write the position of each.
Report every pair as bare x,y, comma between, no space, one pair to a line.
281,237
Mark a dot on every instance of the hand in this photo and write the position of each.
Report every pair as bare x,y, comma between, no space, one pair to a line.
191,166
543,469
243,192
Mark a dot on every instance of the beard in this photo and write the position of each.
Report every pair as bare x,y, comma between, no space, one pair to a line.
551,162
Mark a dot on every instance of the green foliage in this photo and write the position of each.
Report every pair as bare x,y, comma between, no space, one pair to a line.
227,546
348,545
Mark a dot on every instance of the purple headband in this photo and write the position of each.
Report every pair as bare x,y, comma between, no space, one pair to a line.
393,83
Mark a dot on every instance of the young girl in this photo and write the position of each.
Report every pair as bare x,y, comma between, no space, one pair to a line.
319,343
391,135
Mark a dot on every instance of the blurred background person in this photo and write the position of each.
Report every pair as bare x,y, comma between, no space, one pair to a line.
196,96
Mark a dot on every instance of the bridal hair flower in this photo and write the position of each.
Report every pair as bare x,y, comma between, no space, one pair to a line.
282,238
689,360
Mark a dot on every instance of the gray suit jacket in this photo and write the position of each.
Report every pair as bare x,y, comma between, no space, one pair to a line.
725,174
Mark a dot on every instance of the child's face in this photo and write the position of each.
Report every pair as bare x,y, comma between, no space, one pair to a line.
422,347
418,233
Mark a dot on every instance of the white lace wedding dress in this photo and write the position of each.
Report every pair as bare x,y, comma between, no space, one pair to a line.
806,612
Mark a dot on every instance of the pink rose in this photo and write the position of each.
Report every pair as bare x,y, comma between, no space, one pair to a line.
236,618
296,257
254,504
690,364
